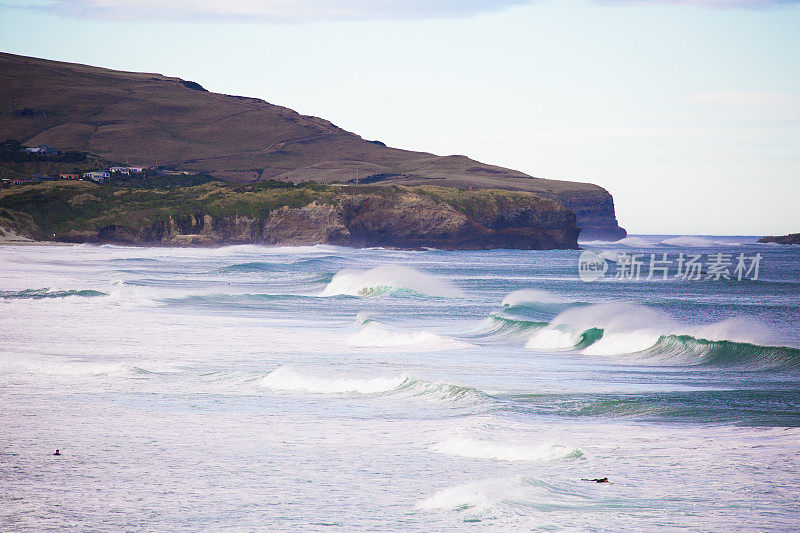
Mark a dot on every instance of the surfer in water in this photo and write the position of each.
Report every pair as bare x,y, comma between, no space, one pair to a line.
597,480
57,453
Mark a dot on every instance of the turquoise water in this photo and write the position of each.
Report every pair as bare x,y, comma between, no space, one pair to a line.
331,389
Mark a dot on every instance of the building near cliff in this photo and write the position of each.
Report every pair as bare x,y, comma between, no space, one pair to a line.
126,170
69,176
98,175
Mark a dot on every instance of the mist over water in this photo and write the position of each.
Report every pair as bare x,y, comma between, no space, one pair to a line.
324,388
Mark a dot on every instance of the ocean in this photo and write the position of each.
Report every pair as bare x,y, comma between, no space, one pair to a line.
249,388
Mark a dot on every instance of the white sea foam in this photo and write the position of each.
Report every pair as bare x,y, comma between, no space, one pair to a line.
737,330
505,451
623,343
376,335
635,242
287,378
124,294
386,279
478,499
73,367
692,242
550,338
596,242
503,498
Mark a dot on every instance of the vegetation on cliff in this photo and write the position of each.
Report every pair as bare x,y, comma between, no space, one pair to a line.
276,212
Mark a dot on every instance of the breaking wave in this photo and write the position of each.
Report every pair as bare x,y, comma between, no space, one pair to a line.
54,366
692,242
363,318
287,379
502,451
536,300
389,280
373,334
505,327
638,334
691,350
507,498
557,339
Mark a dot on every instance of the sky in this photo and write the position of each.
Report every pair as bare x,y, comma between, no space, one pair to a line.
687,111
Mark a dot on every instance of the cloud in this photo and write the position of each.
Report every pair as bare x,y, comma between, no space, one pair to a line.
268,10
318,10
722,4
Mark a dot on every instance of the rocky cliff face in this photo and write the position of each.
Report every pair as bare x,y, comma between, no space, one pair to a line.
412,217
595,214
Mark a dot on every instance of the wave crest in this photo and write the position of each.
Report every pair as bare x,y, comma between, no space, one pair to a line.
389,279
505,327
287,378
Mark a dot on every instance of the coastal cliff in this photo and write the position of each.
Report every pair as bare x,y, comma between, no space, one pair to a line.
150,119
276,213
792,238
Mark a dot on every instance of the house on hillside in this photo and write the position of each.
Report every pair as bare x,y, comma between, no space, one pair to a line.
126,170
69,176
98,175
42,149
